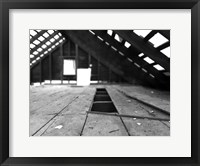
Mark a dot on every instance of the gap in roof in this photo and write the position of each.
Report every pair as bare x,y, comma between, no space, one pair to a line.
141,54
110,32
158,39
158,67
32,45
127,44
41,38
50,31
148,60
56,36
166,51
33,33
46,34
36,42
118,38
91,32
142,32
52,40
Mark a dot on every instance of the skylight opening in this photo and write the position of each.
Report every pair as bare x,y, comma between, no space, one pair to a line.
121,53
33,33
99,38
32,45
35,52
36,42
37,58
59,34
152,75
53,46
113,48
50,31
33,61
41,38
49,49
107,43
56,43
137,65
44,46
110,32
148,60
39,49
56,37
45,52
127,44
46,34
166,51
48,43
41,55
118,38
61,41
52,40
129,59
31,56
158,67
142,33
158,39
141,54
91,32
144,70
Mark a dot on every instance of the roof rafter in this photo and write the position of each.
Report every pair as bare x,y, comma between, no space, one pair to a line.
145,47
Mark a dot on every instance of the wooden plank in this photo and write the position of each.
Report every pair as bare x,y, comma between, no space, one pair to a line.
145,47
163,46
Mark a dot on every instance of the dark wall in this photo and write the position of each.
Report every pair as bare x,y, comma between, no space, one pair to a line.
51,67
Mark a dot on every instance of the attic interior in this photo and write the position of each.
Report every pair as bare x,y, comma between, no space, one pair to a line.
99,83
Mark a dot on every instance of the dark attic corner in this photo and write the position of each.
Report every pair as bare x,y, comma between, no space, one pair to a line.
99,82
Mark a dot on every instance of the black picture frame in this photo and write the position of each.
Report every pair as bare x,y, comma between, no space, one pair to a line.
5,5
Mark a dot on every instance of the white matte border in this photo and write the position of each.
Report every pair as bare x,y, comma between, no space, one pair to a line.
176,145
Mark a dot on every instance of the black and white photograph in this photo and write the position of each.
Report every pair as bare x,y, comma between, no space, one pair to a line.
102,82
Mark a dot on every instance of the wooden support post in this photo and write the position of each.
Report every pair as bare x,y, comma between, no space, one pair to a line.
68,48
50,68
61,54
89,59
40,65
98,69
109,79
76,53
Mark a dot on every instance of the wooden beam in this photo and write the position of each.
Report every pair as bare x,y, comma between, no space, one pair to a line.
76,52
129,53
163,46
150,35
145,47
40,66
61,54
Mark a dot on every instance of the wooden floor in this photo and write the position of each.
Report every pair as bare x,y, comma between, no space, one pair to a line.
63,110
